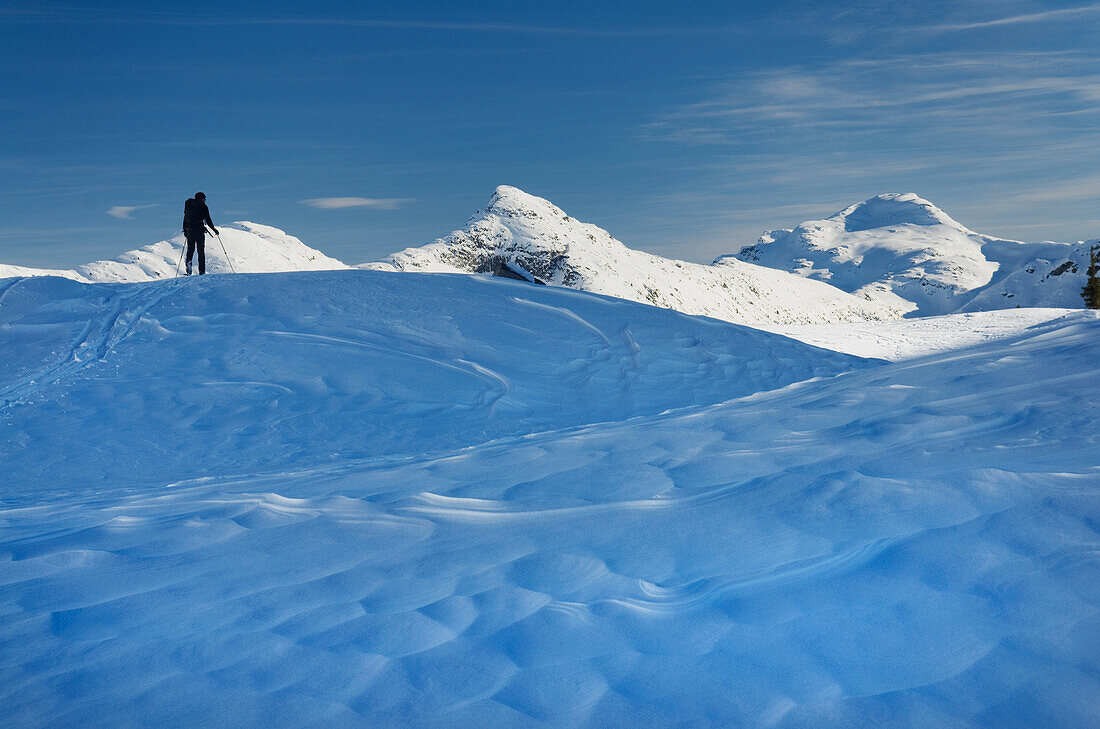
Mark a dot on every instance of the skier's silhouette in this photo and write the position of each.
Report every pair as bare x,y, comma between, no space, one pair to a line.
196,216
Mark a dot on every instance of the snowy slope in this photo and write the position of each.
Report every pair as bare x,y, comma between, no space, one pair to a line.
903,250
297,370
536,238
253,248
910,338
1034,275
910,544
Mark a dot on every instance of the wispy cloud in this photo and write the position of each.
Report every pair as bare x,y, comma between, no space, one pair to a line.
123,212
337,203
1078,188
905,98
1000,139
100,16
1041,17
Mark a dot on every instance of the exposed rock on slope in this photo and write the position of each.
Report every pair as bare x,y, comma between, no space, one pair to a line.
528,233
1033,274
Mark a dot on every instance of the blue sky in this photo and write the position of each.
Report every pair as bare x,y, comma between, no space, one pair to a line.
683,128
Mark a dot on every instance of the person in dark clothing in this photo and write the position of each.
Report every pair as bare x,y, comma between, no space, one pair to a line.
196,216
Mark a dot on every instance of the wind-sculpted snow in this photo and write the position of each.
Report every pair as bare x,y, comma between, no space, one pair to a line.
531,236
909,544
912,338
252,248
902,250
304,369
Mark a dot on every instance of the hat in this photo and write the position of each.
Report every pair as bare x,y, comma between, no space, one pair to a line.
200,195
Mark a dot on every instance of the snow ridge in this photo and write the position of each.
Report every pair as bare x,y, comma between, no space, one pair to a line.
253,248
520,231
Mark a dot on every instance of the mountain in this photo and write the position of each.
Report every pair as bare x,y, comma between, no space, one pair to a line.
253,248
902,250
376,500
886,257
524,236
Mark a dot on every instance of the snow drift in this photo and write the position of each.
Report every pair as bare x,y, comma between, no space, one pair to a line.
531,236
902,250
444,501
296,370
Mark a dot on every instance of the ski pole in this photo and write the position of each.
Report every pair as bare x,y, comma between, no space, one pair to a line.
219,236
183,249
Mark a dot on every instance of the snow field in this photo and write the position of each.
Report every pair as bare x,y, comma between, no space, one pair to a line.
264,372
910,338
629,517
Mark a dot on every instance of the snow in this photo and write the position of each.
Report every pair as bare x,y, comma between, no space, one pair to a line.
878,260
253,248
358,498
343,365
1034,275
902,250
911,338
532,235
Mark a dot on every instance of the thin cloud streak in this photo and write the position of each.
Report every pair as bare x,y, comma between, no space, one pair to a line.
1008,139
339,203
91,17
1081,188
479,27
944,94
1046,16
124,212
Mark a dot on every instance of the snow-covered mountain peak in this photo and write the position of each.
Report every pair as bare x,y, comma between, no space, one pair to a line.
893,209
524,236
897,248
509,202
529,224
901,249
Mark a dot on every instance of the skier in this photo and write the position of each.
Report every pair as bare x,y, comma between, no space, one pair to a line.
196,216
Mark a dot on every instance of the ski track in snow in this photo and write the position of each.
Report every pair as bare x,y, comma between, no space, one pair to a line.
904,543
95,340
7,285
568,314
